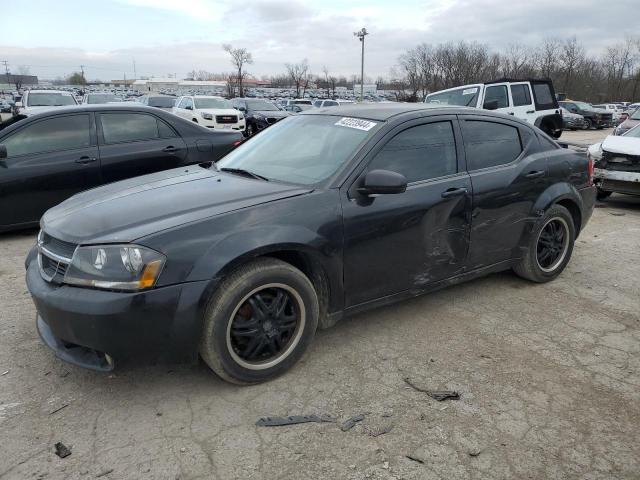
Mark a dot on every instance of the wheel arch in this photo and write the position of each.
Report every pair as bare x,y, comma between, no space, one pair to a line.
563,194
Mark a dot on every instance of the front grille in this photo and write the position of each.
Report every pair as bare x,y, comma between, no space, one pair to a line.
54,256
226,119
58,247
631,163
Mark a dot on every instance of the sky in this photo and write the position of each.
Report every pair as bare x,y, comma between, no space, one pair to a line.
167,37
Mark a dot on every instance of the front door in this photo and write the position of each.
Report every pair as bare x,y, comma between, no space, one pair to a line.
48,161
133,144
395,243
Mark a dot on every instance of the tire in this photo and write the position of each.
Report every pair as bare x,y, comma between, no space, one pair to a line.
602,194
251,130
240,302
194,120
557,134
534,266
588,124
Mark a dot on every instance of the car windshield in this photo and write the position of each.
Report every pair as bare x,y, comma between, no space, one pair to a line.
633,132
584,106
261,105
161,102
304,149
50,99
102,98
463,97
210,102
635,115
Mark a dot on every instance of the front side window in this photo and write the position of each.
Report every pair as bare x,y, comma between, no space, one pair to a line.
497,93
261,106
127,127
305,149
58,133
419,153
520,95
462,97
489,144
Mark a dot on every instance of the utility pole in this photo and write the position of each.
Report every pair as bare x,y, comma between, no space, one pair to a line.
6,68
361,34
135,75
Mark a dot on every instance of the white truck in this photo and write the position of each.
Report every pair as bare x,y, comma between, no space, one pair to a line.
36,101
533,101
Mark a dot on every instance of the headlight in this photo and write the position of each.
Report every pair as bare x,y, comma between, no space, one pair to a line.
206,116
115,267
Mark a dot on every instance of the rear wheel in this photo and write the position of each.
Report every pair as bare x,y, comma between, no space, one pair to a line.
550,246
259,322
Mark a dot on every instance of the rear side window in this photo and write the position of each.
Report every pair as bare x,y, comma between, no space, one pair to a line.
489,144
128,127
165,131
520,95
57,133
420,153
497,93
543,96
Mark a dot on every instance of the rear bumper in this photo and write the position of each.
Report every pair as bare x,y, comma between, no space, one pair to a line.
96,328
588,196
617,181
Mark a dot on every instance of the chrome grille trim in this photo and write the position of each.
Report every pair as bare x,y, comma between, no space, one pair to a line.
56,264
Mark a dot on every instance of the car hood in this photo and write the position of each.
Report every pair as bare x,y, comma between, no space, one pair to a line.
629,123
623,145
137,207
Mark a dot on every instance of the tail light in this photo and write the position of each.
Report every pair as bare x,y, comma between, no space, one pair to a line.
590,168
236,143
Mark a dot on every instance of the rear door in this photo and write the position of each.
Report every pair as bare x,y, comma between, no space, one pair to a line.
48,161
522,102
394,243
508,173
134,143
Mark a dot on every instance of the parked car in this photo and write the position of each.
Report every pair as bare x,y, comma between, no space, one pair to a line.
37,101
322,215
97,98
164,102
259,114
614,110
6,106
593,117
632,120
533,101
210,112
572,121
325,103
617,163
293,108
48,157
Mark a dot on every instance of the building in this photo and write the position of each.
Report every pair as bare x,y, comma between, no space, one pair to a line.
12,82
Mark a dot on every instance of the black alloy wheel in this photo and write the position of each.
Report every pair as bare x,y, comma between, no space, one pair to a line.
553,242
265,325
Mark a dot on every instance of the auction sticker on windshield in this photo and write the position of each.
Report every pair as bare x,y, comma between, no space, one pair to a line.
357,123
469,91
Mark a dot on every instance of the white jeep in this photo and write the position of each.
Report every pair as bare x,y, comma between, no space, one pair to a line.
533,101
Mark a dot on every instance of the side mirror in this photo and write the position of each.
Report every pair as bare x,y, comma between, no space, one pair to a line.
3,151
490,105
383,182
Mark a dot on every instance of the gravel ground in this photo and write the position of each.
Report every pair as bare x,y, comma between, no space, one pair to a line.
549,377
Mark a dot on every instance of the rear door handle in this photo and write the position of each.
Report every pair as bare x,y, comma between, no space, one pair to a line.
511,113
454,192
535,174
85,159
531,111
170,149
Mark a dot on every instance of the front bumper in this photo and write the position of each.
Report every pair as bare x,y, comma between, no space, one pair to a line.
617,181
97,329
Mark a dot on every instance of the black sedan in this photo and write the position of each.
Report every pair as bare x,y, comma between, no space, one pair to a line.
48,157
324,214
259,114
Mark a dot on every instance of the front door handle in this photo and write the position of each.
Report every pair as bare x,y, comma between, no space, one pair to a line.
85,160
511,113
454,192
170,149
535,174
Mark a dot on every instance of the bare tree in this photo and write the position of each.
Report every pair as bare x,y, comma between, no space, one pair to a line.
298,72
548,54
571,56
239,58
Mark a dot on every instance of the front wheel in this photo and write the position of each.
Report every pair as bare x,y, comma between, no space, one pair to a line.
259,322
550,246
588,124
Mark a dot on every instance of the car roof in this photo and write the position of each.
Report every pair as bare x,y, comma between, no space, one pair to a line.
97,107
385,111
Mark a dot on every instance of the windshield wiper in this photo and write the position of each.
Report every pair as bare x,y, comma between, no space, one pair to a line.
244,172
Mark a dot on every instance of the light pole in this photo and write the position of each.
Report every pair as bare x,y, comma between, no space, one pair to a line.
361,34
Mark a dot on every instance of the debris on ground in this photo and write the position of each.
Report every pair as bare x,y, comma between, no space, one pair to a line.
58,409
414,458
62,450
377,431
105,472
474,453
64,374
4,373
439,395
293,420
351,422
617,214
